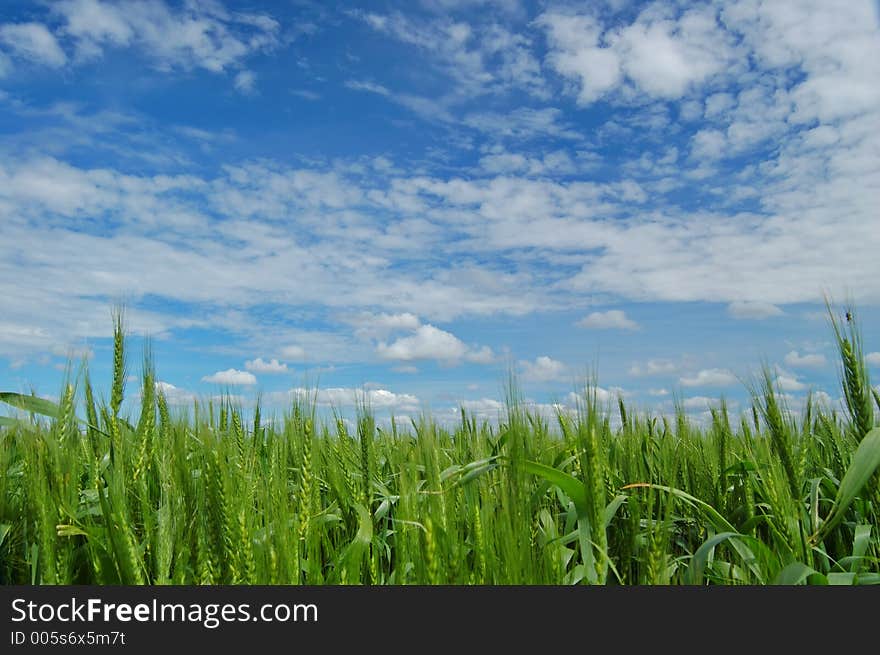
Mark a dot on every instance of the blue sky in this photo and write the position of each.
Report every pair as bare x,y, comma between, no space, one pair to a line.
405,199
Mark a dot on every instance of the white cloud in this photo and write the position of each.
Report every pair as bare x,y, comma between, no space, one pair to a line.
33,42
259,365
665,57
231,376
753,310
576,53
658,54
712,377
175,395
369,87
699,402
613,319
543,369
482,355
823,398
557,162
708,144
197,35
478,58
305,94
484,407
789,382
603,395
523,123
658,392
809,360
388,399
380,326
873,358
342,397
427,342
5,69
836,46
718,103
654,367
72,352
245,82
294,352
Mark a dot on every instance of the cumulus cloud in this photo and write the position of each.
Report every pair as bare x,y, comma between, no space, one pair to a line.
245,82
576,53
481,355
712,377
603,395
484,407
427,342
658,54
699,402
788,382
342,397
523,124
808,360
32,42
613,319
259,365
175,395
294,352
873,358
478,58
430,342
557,162
379,326
708,144
654,367
231,376
197,35
753,310
543,369
822,398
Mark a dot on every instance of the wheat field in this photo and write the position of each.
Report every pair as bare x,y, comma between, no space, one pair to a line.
605,495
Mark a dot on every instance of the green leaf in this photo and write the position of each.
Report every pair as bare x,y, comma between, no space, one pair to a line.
842,579
612,507
741,468
473,474
860,545
382,510
5,529
698,562
572,487
586,546
794,574
37,406
32,404
868,578
365,526
864,462
449,472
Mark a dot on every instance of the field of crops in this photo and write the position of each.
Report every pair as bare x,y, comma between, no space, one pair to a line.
206,497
